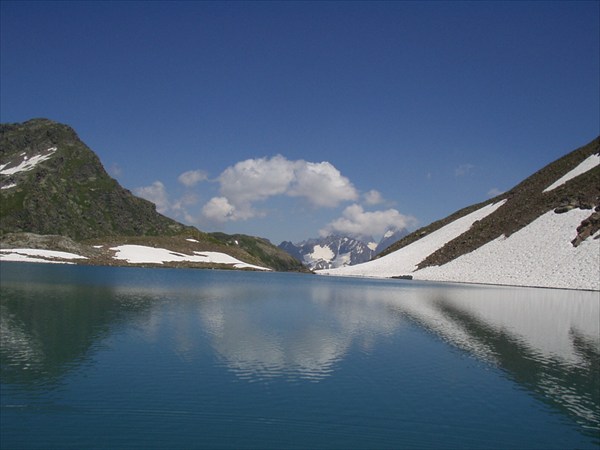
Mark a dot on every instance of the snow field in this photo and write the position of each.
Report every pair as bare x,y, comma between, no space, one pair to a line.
526,259
140,254
588,164
37,255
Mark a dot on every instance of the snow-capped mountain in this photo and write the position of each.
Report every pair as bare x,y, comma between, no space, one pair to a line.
543,232
339,251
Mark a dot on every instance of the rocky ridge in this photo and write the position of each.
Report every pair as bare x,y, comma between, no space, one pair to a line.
338,251
525,202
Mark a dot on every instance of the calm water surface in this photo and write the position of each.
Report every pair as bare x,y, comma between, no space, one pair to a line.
98,357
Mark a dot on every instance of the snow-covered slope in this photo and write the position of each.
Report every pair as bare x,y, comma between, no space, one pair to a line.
525,258
541,254
544,232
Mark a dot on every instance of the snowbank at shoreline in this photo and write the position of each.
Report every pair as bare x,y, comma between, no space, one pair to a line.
38,255
132,254
140,254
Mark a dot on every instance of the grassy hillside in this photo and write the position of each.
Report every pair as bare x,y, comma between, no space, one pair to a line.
69,198
69,194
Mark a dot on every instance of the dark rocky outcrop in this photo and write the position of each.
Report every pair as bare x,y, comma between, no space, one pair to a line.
70,193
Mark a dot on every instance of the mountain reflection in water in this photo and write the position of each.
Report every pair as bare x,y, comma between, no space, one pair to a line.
269,326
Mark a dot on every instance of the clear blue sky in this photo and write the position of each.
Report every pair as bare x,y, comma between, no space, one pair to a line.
294,119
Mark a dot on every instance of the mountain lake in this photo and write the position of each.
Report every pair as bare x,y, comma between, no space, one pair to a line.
107,357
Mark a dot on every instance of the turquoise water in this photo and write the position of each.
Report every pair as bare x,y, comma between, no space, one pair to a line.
100,357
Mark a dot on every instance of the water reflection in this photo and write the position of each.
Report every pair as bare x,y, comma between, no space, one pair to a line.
548,341
46,330
298,336
266,326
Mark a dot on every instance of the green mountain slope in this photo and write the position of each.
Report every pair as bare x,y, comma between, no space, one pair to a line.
70,193
51,183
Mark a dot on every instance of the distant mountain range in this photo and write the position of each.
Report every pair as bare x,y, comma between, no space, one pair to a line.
543,232
339,251
55,194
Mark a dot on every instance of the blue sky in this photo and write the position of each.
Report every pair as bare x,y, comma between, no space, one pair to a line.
286,120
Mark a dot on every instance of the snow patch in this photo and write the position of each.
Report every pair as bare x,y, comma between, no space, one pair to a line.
37,255
27,163
140,254
588,164
9,186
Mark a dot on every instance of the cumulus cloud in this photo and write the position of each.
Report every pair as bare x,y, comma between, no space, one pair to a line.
373,197
192,177
157,194
256,179
321,184
355,221
252,180
219,209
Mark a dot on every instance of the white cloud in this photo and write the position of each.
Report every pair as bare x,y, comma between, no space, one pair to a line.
373,197
321,184
157,194
219,209
258,179
355,221
192,177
